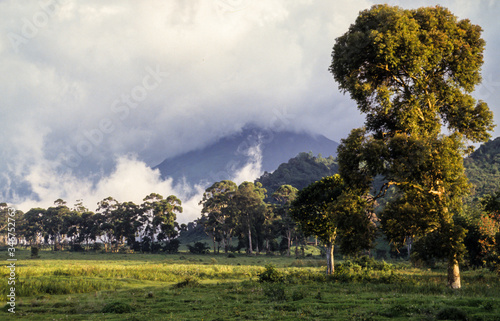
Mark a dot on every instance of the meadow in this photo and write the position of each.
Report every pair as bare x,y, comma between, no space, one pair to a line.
118,286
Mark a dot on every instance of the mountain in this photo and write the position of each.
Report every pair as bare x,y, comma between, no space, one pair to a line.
482,168
222,159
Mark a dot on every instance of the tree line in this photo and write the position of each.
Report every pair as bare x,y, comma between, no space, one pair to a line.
113,224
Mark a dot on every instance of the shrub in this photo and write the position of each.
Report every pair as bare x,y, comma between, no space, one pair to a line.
155,247
76,248
369,263
34,251
199,248
451,313
231,256
117,307
271,275
172,246
189,281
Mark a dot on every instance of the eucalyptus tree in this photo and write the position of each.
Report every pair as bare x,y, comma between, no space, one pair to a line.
161,215
104,219
284,196
247,204
412,72
219,223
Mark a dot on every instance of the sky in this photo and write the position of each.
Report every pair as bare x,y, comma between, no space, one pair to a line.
95,93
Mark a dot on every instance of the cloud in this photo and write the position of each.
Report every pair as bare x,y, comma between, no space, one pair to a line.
131,180
86,83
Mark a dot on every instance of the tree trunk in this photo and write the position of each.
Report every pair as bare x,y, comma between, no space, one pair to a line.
250,241
453,274
289,239
330,267
409,243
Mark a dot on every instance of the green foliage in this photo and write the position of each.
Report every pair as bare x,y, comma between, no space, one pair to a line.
274,292
172,246
409,69
34,251
411,72
452,313
298,172
227,291
117,307
483,168
199,248
271,274
189,281
311,208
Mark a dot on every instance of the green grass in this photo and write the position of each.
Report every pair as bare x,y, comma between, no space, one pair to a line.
96,286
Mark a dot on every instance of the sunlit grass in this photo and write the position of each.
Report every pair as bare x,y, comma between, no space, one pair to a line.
99,286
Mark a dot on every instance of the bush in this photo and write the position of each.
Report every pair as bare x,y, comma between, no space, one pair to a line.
76,248
172,246
156,247
271,275
451,314
369,263
199,248
117,307
34,251
189,281
97,247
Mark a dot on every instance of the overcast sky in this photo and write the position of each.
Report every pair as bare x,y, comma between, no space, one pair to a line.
94,92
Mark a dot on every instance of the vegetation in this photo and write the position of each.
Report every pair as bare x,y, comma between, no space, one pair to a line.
150,226
83,286
299,172
324,209
410,72
483,168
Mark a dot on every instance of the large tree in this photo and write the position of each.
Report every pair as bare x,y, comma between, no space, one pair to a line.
412,73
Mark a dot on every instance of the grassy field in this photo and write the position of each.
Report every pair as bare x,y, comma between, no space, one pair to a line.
113,286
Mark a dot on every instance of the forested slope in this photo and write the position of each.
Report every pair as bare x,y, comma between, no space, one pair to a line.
483,168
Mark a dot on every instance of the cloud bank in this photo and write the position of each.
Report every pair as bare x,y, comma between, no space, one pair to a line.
87,84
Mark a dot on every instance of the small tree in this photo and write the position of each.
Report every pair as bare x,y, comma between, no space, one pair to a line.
326,208
285,195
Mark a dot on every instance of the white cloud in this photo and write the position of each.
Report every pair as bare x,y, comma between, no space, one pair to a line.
224,63
132,180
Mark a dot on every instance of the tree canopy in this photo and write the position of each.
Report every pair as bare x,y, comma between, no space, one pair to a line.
412,73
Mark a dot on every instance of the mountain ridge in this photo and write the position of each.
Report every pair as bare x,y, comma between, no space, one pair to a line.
222,159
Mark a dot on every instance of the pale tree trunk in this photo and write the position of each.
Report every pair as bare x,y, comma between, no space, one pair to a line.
330,267
250,241
289,241
453,274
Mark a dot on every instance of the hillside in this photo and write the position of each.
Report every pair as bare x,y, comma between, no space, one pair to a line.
222,159
483,168
299,172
